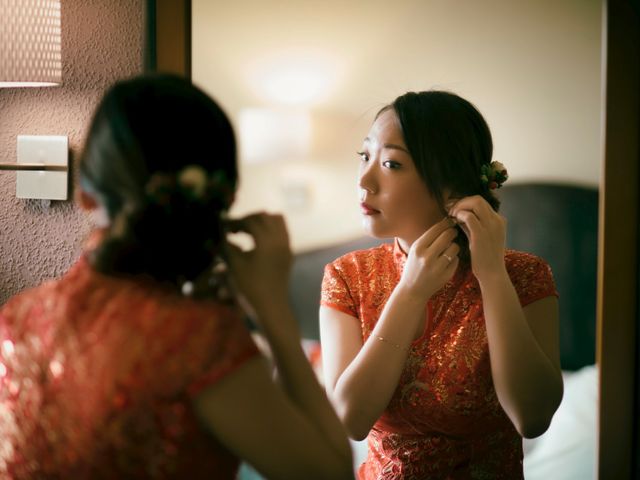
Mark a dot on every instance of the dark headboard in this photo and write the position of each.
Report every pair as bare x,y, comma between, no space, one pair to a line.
560,224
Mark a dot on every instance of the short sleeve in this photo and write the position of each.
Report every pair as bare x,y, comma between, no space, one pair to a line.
531,276
166,344
335,291
222,345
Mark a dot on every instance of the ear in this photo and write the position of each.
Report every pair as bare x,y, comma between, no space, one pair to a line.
85,200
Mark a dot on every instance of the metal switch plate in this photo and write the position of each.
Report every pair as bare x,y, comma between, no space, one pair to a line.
45,149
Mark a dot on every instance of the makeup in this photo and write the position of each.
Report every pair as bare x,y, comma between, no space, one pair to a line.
368,210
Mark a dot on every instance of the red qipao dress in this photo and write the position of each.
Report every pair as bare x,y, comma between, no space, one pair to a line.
444,420
97,375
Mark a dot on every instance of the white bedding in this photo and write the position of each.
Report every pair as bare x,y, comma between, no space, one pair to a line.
567,450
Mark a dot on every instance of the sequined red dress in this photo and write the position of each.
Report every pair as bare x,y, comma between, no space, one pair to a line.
444,420
97,376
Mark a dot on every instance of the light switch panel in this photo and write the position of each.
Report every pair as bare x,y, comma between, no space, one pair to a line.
43,149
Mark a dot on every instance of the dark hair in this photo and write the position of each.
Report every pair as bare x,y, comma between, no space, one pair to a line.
449,141
147,128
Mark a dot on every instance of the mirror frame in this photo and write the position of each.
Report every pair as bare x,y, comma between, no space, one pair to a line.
618,306
168,49
168,37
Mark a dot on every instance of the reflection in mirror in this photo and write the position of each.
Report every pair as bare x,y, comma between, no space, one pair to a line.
318,73
303,80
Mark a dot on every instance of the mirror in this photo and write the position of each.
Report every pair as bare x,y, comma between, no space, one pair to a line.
617,269
303,85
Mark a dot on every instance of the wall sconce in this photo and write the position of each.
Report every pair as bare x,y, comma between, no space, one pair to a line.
30,43
30,56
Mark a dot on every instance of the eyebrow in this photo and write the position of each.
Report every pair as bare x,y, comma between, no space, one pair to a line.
391,146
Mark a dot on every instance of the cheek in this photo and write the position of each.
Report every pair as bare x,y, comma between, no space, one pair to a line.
416,203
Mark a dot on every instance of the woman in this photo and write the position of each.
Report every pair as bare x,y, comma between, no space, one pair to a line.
442,347
137,363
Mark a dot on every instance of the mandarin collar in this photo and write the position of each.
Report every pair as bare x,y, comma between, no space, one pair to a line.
399,255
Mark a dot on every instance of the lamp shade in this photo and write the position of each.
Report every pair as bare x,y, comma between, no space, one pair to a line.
30,38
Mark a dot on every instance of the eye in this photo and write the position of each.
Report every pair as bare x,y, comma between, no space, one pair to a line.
391,164
364,156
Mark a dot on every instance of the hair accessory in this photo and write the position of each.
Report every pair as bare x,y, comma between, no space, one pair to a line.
493,175
191,182
193,178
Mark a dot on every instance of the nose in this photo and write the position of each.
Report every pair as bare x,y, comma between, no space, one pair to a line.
367,177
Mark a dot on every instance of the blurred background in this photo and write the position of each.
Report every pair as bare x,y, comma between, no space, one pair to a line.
302,82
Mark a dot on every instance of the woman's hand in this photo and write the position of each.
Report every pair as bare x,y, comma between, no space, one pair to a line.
261,275
432,260
486,231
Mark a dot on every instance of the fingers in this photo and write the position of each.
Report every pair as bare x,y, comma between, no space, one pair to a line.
469,222
450,256
474,203
262,227
248,224
444,241
486,230
427,238
235,256
472,213
232,251
436,246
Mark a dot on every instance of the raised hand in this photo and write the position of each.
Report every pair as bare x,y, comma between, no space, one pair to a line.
432,260
486,230
261,275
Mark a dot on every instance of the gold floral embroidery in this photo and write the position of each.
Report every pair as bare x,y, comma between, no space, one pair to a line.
444,419
97,375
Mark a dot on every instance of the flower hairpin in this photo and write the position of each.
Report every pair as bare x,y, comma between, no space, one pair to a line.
193,178
192,182
493,175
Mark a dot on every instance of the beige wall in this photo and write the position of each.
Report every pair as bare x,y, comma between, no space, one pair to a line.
101,42
531,66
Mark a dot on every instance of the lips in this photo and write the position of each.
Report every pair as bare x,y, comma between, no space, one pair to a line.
368,209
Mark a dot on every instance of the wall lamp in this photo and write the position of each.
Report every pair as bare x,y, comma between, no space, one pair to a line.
30,56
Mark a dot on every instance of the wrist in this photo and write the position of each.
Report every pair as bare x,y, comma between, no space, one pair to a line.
494,278
267,298
277,321
409,296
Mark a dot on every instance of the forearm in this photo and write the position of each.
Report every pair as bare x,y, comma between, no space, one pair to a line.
298,378
366,386
527,383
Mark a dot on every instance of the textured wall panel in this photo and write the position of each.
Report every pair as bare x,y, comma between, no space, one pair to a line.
101,42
